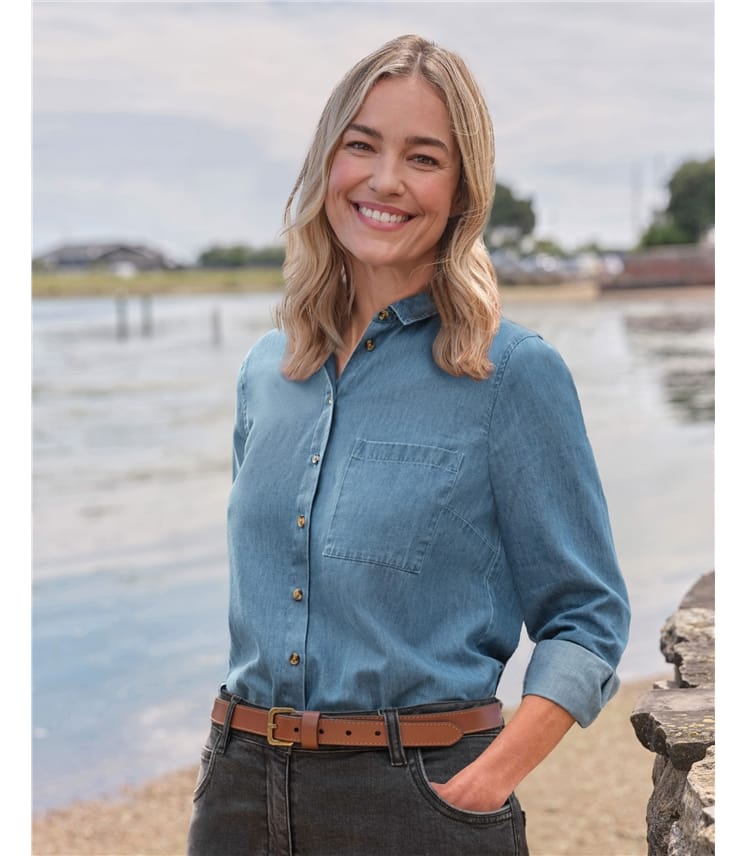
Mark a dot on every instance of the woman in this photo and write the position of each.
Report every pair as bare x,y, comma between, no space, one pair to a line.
412,481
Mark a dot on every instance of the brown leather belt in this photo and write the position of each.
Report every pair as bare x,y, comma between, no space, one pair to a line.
283,726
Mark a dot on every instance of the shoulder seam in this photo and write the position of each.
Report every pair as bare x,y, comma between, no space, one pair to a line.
501,370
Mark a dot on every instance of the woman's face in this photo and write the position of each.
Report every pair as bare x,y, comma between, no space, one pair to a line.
393,179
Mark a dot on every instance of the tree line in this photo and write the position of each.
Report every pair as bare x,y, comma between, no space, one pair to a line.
687,217
689,214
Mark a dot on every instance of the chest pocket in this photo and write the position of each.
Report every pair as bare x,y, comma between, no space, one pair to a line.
389,503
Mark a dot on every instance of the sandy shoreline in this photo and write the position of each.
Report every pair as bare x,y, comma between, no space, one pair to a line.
588,799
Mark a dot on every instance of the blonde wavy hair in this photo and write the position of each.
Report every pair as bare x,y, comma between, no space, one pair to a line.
318,298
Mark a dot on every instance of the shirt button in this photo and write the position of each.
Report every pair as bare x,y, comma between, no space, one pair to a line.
383,315
315,459
301,520
294,659
297,594
370,344
329,399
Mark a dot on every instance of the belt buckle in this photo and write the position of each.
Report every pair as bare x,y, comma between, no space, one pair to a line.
272,725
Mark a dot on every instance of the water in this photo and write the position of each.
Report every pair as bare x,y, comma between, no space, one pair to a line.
131,475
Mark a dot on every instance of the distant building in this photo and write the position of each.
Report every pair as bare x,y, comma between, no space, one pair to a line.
665,267
122,259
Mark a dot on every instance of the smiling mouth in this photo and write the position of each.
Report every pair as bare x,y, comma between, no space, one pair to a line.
381,216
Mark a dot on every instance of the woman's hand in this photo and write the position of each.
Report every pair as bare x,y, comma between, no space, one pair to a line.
471,790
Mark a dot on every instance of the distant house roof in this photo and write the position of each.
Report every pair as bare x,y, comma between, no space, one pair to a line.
77,256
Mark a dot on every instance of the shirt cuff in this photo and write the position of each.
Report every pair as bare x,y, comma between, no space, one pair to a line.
571,676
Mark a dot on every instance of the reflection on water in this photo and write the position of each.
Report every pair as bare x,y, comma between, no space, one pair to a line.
131,474
682,343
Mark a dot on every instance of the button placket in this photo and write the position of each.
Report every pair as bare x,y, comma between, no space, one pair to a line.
293,652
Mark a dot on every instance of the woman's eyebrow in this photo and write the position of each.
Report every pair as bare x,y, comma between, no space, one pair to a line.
427,141
410,141
364,129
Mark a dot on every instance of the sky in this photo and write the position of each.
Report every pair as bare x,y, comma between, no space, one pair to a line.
183,125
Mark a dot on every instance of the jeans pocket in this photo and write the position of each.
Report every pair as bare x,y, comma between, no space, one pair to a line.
389,502
207,765
439,765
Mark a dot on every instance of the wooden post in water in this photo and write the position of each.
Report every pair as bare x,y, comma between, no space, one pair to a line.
146,315
120,306
217,328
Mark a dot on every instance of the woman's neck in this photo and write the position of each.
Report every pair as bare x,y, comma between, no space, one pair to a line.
377,287
374,289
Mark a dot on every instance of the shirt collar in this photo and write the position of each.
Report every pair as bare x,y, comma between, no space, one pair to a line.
415,308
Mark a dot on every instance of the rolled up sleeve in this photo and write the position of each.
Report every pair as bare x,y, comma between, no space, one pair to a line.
555,532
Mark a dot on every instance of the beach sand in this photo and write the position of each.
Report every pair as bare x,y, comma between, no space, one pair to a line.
587,799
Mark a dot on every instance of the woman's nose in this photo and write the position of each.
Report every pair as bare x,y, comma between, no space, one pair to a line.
386,178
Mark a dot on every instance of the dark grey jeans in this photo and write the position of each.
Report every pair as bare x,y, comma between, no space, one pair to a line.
252,798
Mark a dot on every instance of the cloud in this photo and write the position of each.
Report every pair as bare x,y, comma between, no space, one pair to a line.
189,181
209,106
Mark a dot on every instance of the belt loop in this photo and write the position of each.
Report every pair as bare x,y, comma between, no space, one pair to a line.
309,732
220,747
394,737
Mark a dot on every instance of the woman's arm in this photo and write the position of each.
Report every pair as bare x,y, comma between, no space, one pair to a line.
558,544
555,533
532,733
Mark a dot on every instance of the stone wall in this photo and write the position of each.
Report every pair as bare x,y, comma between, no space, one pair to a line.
676,720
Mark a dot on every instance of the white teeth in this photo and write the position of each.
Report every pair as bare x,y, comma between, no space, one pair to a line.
382,216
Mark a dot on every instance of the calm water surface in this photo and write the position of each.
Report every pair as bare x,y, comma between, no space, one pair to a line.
131,474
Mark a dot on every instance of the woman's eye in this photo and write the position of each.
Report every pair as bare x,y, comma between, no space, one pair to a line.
358,145
425,160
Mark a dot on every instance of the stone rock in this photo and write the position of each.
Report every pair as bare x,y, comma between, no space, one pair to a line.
702,593
664,805
687,641
694,833
676,720
678,723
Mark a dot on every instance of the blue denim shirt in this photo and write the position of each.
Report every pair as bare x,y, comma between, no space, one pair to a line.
390,529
